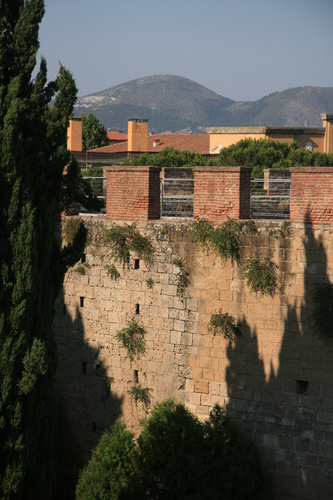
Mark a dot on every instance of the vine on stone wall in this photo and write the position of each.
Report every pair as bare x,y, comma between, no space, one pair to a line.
224,239
261,275
224,324
140,394
124,239
132,338
183,280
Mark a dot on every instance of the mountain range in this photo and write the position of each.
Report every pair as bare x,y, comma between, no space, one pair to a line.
177,104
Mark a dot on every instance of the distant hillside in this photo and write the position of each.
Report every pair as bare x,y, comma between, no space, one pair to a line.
173,103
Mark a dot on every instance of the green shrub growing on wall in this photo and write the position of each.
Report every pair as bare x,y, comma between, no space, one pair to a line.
140,395
183,280
132,338
224,239
224,324
261,275
125,239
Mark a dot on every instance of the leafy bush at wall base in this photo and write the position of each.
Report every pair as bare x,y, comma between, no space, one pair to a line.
175,457
322,315
110,466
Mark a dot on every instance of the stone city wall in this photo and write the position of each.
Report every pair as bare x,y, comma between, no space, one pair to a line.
275,380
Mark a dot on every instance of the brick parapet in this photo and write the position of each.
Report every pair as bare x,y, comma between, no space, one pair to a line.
311,195
222,192
133,193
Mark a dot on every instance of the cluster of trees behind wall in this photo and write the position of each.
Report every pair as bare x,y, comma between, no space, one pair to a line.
258,154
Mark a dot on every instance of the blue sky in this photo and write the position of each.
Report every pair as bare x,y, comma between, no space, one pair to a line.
241,49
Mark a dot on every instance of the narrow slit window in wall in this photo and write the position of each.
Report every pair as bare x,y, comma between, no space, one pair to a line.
136,376
81,301
136,263
137,308
302,387
83,258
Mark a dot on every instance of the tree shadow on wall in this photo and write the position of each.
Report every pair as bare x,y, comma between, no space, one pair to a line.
87,404
286,410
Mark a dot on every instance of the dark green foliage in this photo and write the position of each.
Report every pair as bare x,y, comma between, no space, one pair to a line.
94,134
33,155
140,395
132,339
322,315
109,467
266,153
177,456
150,283
112,271
70,228
93,172
223,239
201,232
224,324
183,280
261,275
170,157
125,239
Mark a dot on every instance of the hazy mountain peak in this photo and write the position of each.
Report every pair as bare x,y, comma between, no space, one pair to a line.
175,103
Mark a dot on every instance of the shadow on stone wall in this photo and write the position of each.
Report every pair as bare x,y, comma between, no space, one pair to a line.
289,412
87,404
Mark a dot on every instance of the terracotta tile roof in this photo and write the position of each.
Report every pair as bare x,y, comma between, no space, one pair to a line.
117,136
156,143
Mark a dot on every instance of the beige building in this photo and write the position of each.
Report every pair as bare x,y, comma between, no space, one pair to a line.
313,138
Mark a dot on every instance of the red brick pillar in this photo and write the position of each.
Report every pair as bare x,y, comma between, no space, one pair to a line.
222,192
133,193
311,195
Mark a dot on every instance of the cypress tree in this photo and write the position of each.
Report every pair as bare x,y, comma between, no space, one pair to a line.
33,155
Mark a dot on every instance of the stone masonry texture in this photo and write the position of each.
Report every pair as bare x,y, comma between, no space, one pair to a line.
275,380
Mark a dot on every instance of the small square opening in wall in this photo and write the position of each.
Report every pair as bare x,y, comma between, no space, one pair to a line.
302,386
137,308
83,258
136,263
136,376
81,301
84,367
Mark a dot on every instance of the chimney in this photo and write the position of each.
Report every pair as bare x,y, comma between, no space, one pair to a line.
74,135
137,136
328,125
